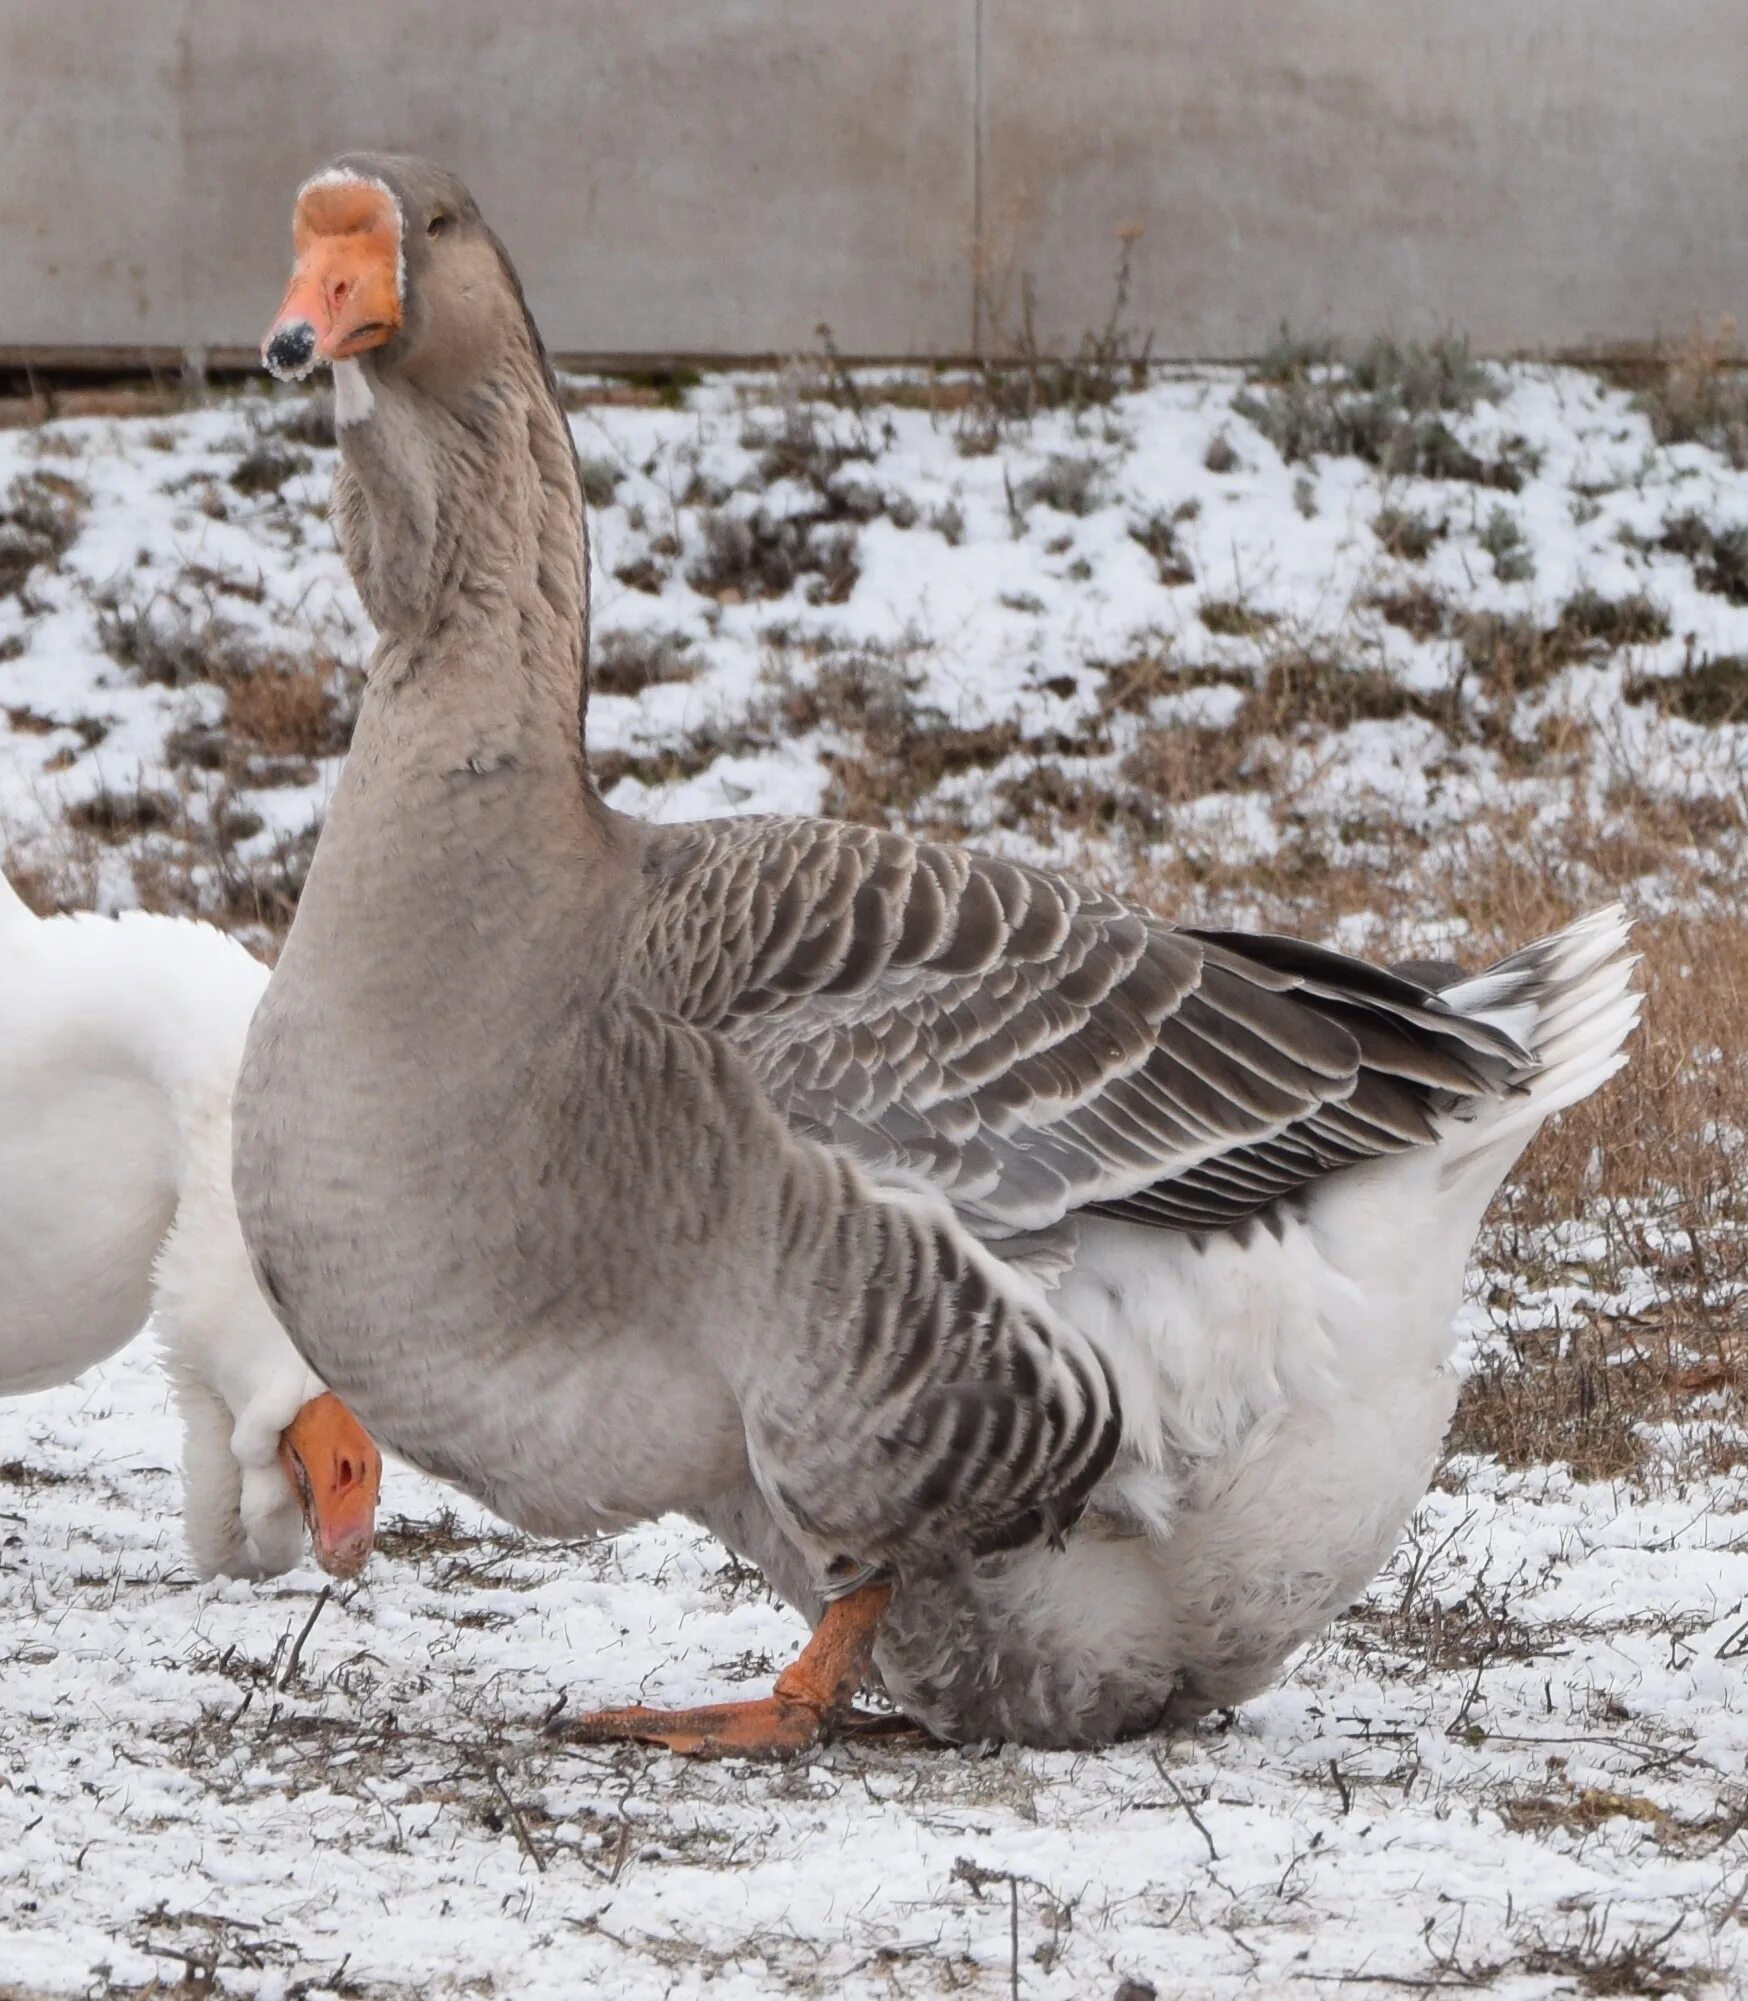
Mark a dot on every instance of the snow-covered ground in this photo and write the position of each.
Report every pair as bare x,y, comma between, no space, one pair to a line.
388,1820
1135,638
782,582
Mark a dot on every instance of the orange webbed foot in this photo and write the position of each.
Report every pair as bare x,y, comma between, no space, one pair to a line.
812,1703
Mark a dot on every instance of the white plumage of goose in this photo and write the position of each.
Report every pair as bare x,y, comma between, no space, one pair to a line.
119,1045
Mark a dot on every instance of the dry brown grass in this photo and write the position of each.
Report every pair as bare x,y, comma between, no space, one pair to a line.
1299,692
1655,1162
1175,765
120,814
1417,609
1710,690
286,707
627,662
1695,391
1590,1808
1512,655
39,516
283,712
66,881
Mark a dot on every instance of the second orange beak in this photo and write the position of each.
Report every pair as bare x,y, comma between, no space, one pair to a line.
336,1472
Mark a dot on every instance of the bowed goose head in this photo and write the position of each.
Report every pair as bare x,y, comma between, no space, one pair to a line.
1054,1301
119,1044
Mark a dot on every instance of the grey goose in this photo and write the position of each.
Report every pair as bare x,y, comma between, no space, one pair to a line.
1053,1302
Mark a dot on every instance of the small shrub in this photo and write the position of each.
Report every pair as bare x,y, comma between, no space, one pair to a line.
1303,689
802,449
1019,379
1592,623
1179,763
256,892
288,708
1048,801
1148,671
905,749
115,816
160,642
266,466
763,555
1407,534
1389,407
948,521
1697,395
1437,375
1071,483
1719,555
977,433
1712,691
1419,610
625,663
1509,654
38,521
1503,540
1232,618
1158,536
1513,654
642,573
600,479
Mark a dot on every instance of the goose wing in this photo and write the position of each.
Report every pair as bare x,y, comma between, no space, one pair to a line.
1027,1047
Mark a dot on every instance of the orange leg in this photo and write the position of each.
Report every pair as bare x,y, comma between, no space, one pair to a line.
811,1700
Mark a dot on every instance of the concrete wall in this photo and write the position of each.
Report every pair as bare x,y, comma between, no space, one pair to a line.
720,176
1539,173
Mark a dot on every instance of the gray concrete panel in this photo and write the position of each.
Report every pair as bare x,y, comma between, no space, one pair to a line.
718,176
668,175
1558,173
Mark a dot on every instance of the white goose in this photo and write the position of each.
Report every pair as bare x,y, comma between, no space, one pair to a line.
119,1045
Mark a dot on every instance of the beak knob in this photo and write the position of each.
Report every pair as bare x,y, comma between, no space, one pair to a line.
291,350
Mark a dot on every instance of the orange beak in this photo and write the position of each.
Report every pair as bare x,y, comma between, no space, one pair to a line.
336,1473
345,290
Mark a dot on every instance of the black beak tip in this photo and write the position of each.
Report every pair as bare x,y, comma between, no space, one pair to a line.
290,350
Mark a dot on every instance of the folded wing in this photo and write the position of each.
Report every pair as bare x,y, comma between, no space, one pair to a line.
1028,1048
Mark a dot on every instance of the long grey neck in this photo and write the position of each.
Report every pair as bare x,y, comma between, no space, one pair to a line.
462,525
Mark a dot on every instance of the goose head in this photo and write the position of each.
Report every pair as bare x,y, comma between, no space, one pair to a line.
334,1474
457,500
394,267
270,1454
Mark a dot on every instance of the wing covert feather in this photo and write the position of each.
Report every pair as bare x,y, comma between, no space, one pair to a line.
1027,1047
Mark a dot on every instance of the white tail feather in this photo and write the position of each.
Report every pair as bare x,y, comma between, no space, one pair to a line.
1568,1000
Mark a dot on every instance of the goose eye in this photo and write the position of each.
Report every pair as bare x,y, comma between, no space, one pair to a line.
437,225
